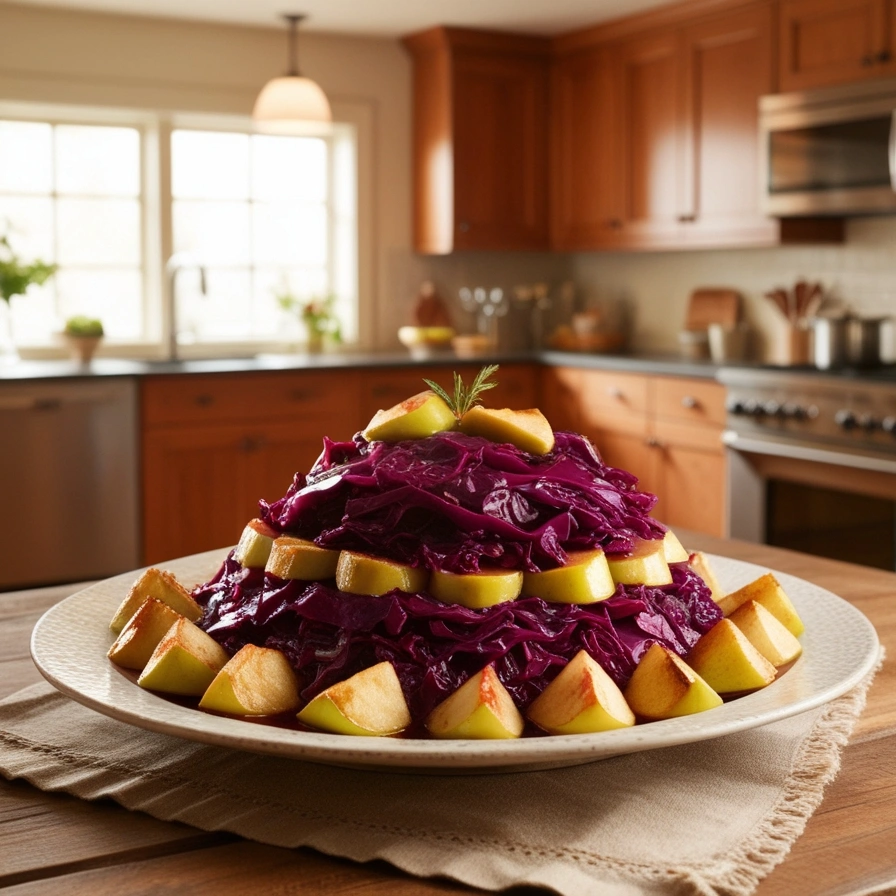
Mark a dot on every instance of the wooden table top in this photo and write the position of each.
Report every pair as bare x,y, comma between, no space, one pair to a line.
53,843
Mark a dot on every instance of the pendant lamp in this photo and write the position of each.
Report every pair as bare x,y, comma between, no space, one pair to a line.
291,104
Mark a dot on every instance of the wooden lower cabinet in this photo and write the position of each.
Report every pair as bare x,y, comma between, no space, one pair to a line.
664,429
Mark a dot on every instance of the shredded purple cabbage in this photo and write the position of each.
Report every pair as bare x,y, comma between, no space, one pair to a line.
457,503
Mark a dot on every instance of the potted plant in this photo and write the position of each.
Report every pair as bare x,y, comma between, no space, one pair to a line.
16,277
318,316
83,335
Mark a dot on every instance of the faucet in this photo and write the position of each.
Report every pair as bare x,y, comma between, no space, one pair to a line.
175,265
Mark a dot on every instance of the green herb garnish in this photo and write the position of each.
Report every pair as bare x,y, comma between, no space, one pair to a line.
464,398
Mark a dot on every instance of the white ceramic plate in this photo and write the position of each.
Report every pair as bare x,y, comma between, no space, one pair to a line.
70,641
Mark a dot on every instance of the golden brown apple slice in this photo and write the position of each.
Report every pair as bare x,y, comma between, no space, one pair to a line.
476,589
769,636
255,681
644,565
297,558
358,573
664,686
185,662
139,638
161,585
701,565
371,704
480,709
528,429
584,579
766,590
581,699
673,549
728,662
417,417
254,547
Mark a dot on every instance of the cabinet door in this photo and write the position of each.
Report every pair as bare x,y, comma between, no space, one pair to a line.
826,42
727,66
690,487
585,153
647,71
500,151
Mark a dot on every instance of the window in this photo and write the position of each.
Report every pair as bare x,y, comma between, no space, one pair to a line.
239,218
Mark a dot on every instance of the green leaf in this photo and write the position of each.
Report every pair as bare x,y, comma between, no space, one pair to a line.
463,398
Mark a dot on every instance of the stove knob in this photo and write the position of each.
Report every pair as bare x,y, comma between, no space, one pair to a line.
793,411
846,419
736,407
868,423
888,424
772,408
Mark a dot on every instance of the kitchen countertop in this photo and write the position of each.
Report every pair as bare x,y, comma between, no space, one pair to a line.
52,843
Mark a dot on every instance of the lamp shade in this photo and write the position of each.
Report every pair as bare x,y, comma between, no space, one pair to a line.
287,105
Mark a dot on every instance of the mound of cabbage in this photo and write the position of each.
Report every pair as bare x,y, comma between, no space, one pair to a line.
462,504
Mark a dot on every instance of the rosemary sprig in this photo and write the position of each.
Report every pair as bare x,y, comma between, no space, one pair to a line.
463,398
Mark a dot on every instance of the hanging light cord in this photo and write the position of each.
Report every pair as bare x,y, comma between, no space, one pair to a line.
293,20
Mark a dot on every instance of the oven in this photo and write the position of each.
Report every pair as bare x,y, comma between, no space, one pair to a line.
812,462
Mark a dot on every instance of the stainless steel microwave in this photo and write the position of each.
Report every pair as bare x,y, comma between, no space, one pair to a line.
830,151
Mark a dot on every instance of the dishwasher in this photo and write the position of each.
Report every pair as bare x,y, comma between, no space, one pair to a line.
68,480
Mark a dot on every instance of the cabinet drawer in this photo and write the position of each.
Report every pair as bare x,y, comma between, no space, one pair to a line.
249,395
614,401
686,435
689,400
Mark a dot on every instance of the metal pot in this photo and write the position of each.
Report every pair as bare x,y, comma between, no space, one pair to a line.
866,338
830,342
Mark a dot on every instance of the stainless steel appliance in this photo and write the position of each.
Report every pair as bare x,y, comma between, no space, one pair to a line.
812,462
68,480
829,151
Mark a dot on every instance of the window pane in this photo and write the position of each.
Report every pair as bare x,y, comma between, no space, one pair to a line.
26,157
225,313
99,231
209,165
97,161
215,232
29,225
289,168
289,234
115,296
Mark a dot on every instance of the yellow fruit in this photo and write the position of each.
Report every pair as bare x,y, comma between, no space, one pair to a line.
416,417
296,558
138,639
644,565
728,662
370,703
363,574
255,681
185,661
769,636
581,699
700,564
529,430
476,589
673,548
161,585
584,579
766,590
480,709
254,547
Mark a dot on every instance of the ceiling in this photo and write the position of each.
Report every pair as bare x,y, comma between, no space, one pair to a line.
381,18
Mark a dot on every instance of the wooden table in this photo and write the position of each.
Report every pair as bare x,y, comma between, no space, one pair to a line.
51,843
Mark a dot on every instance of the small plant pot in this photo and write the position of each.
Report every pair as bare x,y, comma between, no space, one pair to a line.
82,348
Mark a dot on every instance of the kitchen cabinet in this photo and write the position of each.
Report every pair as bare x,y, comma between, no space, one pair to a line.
665,430
828,42
480,109
213,445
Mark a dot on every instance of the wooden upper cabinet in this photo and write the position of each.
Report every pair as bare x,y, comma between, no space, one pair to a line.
480,140
827,42
726,66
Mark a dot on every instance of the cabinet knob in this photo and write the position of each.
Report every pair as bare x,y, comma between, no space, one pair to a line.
615,224
868,60
688,401
687,219
204,400
883,56
654,442
615,392
301,394
463,226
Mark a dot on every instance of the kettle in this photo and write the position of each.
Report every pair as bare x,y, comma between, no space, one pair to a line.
848,341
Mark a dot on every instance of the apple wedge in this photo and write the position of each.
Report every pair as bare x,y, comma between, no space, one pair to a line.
645,565
664,686
769,636
700,564
297,558
728,662
255,681
584,579
480,709
476,589
417,417
185,662
358,573
766,590
673,549
369,704
161,585
254,547
528,430
581,699
139,638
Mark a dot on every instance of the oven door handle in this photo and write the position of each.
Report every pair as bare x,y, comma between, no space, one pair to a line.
807,451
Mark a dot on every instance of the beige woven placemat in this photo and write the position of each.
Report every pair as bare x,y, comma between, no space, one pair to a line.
708,818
